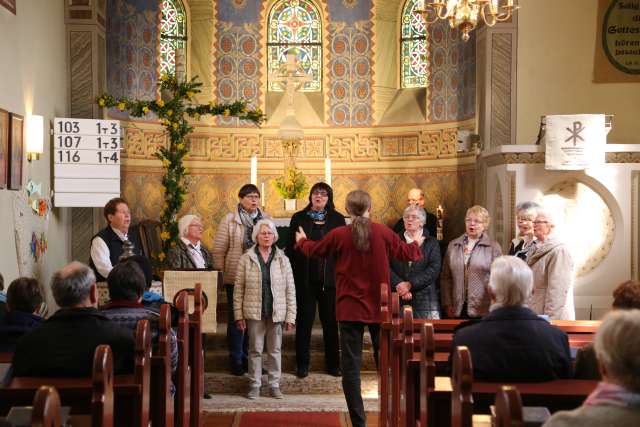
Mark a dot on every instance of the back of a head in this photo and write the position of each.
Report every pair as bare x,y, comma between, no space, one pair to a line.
71,285
23,294
627,295
126,282
617,345
145,266
358,203
511,280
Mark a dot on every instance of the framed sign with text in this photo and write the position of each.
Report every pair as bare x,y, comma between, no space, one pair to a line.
617,57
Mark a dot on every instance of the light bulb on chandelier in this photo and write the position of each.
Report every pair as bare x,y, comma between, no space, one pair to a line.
464,14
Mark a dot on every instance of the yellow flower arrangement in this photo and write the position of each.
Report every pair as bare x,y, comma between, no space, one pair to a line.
226,112
169,112
161,256
101,102
190,94
121,106
145,109
165,235
160,103
166,163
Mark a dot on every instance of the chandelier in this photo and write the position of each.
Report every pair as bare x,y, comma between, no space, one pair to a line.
464,14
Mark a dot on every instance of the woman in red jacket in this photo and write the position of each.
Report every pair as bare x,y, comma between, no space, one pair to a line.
361,252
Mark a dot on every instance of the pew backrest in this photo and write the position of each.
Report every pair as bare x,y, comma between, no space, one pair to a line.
461,384
508,407
46,408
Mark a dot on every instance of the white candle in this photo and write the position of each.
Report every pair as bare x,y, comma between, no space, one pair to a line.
327,170
254,170
263,195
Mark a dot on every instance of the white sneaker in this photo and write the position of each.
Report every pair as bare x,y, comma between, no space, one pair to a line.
254,393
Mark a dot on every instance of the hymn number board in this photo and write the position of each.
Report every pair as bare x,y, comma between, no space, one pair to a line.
86,157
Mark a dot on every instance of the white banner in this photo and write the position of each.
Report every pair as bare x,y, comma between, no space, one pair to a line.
575,142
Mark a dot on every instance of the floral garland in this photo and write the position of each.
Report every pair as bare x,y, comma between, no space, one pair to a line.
173,110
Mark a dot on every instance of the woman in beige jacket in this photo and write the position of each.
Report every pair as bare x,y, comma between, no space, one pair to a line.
467,263
264,297
552,267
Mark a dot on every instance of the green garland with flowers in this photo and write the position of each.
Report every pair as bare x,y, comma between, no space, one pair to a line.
173,114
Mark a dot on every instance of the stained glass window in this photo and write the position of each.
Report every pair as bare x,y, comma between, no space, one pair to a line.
173,36
295,25
413,46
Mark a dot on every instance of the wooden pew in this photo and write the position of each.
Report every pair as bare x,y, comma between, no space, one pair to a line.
85,395
448,398
196,353
508,407
183,373
161,397
131,392
389,361
46,408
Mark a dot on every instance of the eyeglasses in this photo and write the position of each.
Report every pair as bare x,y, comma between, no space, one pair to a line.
252,196
525,219
321,193
266,233
541,222
200,226
472,221
411,217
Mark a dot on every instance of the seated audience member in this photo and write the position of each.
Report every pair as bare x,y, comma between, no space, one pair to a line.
512,343
106,246
126,284
616,400
23,301
65,343
3,299
625,297
189,251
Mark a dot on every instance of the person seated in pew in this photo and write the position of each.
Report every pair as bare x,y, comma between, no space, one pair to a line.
126,284
23,302
625,297
512,343
616,400
64,345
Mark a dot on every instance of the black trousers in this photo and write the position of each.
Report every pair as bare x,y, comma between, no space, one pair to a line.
325,298
351,334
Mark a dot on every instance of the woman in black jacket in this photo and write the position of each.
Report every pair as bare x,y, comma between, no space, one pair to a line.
416,282
315,280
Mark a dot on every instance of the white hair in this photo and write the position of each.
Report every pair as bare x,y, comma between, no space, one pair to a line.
511,280
617,345
550,214
422,215
184,223
260,224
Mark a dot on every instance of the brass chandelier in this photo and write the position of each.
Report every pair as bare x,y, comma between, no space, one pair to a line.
465,14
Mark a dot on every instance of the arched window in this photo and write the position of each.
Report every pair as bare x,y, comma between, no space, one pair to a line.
295,24
173,36
413,47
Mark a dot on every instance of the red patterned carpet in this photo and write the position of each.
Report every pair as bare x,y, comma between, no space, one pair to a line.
290,419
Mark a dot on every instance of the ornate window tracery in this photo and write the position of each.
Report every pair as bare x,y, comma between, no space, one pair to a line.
295,24
413,47
173,36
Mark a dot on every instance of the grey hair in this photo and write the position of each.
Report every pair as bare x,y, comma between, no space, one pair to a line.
531,207
184,223
617,345
268,223
551,216
71,284
422,215
511,280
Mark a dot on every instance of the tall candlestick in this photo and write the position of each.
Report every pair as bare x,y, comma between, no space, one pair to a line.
440,223
327,171
254,170
263,195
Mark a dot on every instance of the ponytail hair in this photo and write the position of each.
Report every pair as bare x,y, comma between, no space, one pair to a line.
358,204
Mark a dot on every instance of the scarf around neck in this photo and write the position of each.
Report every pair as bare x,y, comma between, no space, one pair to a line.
613,395
317,215
248,220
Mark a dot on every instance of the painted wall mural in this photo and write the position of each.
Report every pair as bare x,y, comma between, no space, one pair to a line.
132,48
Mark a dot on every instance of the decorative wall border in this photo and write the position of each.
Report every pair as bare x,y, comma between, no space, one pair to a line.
539,157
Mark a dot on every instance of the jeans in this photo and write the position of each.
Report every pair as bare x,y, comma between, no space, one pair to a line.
237,341
351,358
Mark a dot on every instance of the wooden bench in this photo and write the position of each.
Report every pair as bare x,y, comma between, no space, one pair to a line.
131,392
196,353
85,395
46,406
182,399
161,397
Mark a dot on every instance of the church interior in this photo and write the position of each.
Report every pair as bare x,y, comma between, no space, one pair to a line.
373,95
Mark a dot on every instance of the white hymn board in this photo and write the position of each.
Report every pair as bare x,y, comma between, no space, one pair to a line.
86,157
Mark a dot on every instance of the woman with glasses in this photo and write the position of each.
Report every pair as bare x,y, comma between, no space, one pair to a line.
189,252
524,244
416,282
315,280
264,298
552,267
467,264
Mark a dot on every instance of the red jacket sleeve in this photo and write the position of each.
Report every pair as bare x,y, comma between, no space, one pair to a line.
318,248
400,250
